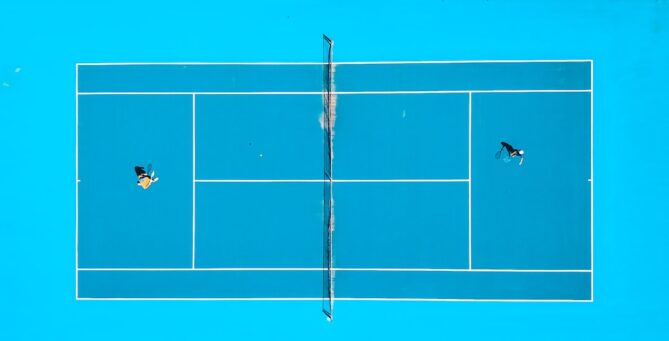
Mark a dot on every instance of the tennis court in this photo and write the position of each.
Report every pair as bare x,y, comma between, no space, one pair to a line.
423,209
230,105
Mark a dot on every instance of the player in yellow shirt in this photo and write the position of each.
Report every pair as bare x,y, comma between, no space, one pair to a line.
145,180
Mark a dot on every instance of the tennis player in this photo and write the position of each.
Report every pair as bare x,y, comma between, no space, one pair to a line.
145,180
512,152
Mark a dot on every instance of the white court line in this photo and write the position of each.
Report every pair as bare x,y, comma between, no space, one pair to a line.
464,300
197,63
347,269
592,190
320,93
419,92
260,180
346,63
324,180
500,61
76,171
101,93
400,180
193,236
469,183
199,299
336,299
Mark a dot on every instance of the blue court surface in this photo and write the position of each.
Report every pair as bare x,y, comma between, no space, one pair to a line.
404,225
423,208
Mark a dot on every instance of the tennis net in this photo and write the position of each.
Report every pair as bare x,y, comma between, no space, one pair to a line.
328,207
